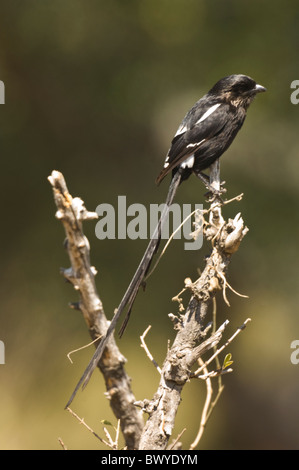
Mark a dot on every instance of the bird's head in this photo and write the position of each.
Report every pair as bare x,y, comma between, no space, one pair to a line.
238,90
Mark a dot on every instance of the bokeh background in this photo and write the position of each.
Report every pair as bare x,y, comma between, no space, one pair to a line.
96,89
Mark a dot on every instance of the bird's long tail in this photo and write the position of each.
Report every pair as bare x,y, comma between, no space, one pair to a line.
132,291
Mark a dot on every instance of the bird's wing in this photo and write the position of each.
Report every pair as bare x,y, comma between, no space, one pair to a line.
196,129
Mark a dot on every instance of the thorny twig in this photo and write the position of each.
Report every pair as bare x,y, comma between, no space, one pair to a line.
81,421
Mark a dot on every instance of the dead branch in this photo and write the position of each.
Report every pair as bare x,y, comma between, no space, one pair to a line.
71,212
191,342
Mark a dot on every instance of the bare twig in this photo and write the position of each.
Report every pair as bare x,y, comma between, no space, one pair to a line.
241,328
196,211
144,346
113,443
62,443
80,349
81,421
205,410
175,442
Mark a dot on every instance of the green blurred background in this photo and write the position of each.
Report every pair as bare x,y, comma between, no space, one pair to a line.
96,89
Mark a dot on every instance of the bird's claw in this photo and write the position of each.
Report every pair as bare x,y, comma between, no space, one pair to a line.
215,194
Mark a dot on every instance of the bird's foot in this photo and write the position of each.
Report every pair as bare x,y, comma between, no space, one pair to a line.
215,195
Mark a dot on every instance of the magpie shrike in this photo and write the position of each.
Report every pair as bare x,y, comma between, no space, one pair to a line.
204,135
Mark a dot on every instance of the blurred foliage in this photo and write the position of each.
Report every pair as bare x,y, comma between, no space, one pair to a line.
96,90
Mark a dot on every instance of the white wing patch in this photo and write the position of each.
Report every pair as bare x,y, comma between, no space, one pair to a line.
196,144
188,163
166,164
208,113
181,130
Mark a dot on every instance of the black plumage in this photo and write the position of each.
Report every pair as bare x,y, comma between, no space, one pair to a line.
211,125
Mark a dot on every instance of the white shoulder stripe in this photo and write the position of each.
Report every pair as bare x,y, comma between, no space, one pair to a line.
181,130
208,113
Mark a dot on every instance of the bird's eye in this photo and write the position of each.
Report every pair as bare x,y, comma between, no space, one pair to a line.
244,86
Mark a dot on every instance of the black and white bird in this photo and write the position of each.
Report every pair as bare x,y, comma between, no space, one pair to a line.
210,126
204,135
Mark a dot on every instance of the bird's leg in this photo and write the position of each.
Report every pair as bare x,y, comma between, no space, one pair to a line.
215,183
212,191
204,178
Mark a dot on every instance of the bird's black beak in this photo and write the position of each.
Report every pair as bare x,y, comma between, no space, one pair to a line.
259,88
